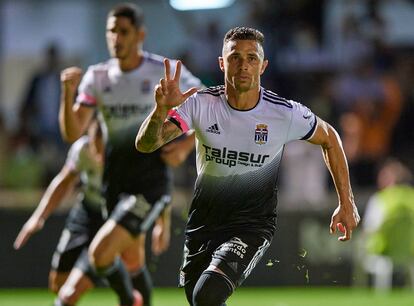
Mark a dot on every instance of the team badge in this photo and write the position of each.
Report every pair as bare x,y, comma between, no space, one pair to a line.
260,134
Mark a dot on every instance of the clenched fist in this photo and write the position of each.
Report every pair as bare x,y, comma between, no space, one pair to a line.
70,79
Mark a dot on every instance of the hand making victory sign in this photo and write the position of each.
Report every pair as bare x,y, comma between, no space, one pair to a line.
167,92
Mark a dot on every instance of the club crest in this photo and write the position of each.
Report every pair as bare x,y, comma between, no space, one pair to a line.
146,87
260,134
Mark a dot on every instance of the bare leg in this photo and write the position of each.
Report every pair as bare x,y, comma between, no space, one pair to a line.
104,252
56,280
134,256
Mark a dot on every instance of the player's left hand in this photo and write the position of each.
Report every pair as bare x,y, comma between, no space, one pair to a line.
345,219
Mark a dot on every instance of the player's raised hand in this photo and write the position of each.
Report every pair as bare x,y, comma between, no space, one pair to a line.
32,226
167,92
346,219
70,79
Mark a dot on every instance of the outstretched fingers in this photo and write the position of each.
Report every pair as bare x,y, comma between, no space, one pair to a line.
177,72
167,69
189,92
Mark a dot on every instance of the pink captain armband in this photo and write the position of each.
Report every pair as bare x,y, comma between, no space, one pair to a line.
175,118
86,99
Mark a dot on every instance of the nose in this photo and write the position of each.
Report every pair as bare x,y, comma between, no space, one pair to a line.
243,64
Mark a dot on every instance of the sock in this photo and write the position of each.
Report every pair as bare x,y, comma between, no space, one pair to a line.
119,280
141,280
212,289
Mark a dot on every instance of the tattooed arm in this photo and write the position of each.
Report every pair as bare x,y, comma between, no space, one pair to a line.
155,131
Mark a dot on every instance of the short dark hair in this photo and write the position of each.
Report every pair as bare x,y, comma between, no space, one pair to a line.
131,11
244,33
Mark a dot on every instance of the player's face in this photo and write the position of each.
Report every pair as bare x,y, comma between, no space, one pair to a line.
122,37
242,63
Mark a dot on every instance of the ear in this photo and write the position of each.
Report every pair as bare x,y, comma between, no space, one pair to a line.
264,66
141,33
221,63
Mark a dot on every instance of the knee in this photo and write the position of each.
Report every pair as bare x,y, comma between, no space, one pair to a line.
133,263
98,257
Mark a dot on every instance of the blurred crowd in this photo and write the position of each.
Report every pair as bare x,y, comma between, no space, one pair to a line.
356,80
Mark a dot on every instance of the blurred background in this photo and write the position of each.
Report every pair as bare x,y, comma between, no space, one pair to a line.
351,62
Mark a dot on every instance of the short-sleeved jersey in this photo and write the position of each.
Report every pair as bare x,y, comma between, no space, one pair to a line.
238,157
81,162
123,101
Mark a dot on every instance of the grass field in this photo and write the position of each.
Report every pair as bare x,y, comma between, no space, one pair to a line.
311,296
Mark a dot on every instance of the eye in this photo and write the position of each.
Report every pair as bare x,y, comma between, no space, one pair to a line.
233,57
252,58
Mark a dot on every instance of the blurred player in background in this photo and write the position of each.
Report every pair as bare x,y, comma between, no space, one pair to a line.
84,165
70,267
136,186
241,129
389,225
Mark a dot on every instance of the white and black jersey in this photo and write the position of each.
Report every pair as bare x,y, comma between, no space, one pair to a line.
81,162
238,158
123,101
86,216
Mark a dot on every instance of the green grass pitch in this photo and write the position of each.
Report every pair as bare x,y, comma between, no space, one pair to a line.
309,296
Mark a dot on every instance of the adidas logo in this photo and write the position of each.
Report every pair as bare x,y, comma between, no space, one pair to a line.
213,129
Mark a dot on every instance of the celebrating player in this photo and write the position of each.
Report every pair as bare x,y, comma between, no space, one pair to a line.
241,129
136,186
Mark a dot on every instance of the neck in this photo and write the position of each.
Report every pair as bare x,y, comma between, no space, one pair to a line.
132,62
242,100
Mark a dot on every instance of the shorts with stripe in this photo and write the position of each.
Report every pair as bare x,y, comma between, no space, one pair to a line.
137,213
81,226
236,255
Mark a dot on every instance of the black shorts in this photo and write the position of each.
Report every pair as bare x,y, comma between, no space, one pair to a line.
81,226
236,255
137,213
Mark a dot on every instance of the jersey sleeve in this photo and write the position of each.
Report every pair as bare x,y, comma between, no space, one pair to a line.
182,115
303,122
87,95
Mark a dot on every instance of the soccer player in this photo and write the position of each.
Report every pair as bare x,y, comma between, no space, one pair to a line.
136,186
84,165
70,275
241,129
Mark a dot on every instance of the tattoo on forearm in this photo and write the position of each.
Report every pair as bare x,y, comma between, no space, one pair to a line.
154,132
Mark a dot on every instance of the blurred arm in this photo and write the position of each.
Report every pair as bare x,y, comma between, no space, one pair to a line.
60,186
73,118
176,152
161,234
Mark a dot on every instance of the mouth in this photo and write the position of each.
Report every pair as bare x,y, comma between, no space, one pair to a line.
242,77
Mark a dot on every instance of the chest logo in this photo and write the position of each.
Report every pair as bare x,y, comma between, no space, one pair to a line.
213,129
260,134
